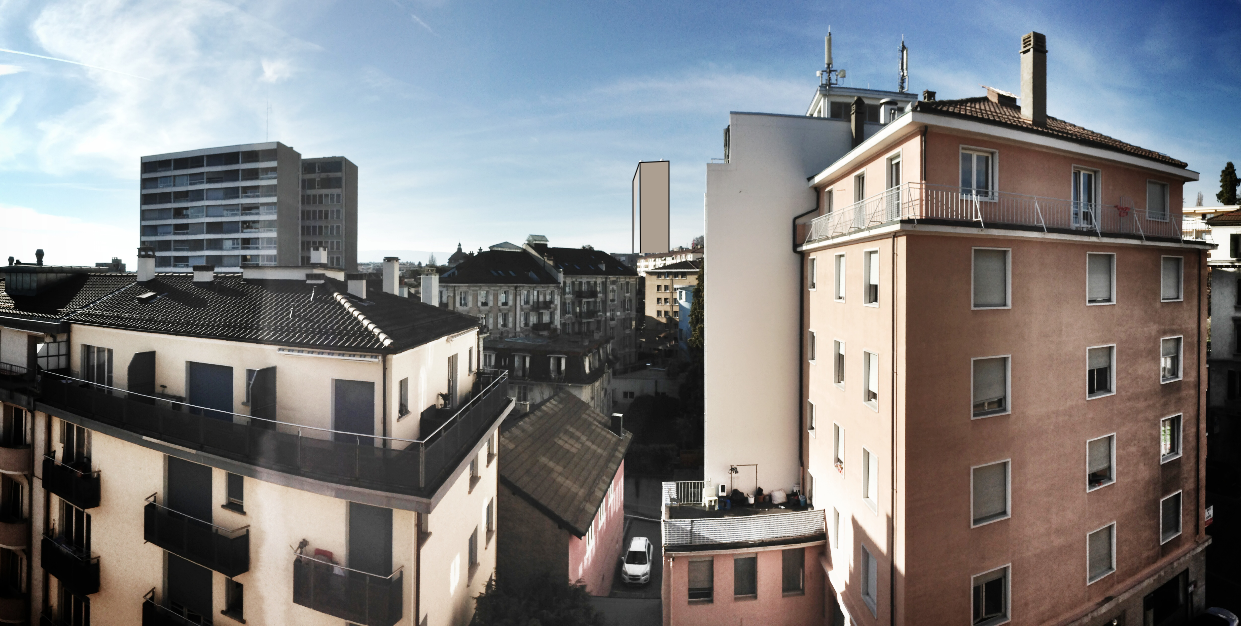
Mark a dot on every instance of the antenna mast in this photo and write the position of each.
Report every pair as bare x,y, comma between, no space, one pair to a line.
829,77
905,66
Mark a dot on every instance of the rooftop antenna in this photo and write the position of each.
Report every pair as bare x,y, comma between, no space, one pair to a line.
267,124
905,66
829,77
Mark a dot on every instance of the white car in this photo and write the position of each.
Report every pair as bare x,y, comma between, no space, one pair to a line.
636,564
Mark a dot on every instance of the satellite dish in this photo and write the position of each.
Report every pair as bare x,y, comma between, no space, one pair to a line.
840,73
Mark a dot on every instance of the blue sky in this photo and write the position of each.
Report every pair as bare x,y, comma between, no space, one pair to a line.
482,122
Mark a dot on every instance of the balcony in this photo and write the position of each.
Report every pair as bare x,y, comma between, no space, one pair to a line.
80,487
346,593
15,459
690,523
941,205
13,605
77,572
543,305
218,549
586,294
407,466
587,315
14,533
156,614
541,326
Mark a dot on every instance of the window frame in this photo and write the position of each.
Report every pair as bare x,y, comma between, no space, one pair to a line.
711,591
868,458
1181,278
810,418
1168,211
867,278
810,346
1181,510
838,363
839,277
864,580
873,403
993,173
1008,576
1112,553
1181,351
753,557
1172,456
811,274
1112,279
838,447
1112,462
1112,371
801,590
1008,280
1008,387
1008,493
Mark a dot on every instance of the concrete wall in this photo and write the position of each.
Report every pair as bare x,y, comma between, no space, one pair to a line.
770,607
14,347
593,562
288,206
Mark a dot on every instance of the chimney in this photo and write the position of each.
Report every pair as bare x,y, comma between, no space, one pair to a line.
314,278
1035,79
39,257
319,256
929,95
146,263
615,426
430,288
858,115
357,284
204,273
392,274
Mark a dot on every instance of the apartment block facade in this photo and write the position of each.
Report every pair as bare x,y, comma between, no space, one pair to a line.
329,216
661,306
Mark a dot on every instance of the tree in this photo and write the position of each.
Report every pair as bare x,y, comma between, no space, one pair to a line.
1199,199
432,260
691,391
696,243
1228,185
538,601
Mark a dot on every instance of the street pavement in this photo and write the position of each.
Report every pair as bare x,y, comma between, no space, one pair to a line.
637,605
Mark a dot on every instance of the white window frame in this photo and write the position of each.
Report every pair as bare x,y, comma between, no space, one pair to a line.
1112,371
1168,210
1008,598
867,278
836,529
1008,280
1112,462
1008,386
838,447
1008,493
871,600
838,367
866,380
811,274
1181,278
810,346
1181,351
1177,433
839,277
993,175
1112,282
1112,553
810,418
1180,512
867,458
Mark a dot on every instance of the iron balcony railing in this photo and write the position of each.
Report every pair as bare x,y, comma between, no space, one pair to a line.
919,203
79,573
155,614
413,467
776,526
78,486
345,593
218,549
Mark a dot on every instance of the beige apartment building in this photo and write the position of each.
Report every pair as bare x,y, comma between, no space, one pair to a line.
662,311
275,446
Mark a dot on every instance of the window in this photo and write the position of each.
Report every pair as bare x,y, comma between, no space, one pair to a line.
489,518
989,493
1101,456
474,472
463,299
1100,371
871,374
521,365
1234,238
976,173
827,202
1170,278
810,280
473,548
1100,548
96,365
991,597
700,580
469,360
792,562
1085,192
1170,359
1100,275
744,583
868,576
838,363
1170,517
990,283
1157,201
838,447
1170,438
870,478
403,394
839,294
504,297
810,346
810,418
233,595
491,449
235,493
990,386
871,279
836,528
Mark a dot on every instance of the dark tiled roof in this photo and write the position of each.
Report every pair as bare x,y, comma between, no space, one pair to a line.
499,267
562,458
1224,219
985,110
584,261
62,299
681,265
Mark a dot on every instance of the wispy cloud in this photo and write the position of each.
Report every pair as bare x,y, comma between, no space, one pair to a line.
10,69
420,22
94,67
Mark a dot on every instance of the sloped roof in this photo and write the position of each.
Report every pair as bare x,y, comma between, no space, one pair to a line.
1224,219
584,261
562,457
691,265
985,110
499,267
72,294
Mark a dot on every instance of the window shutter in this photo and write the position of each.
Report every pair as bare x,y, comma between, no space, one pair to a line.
700,575
990,494
1100,552
873,276
1171,516
1156,208
1099,277
989,378
1099,357
1099,454
1170,278
873,373
990,274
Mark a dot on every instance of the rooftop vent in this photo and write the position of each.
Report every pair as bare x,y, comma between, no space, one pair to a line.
204,273
146,263
357,284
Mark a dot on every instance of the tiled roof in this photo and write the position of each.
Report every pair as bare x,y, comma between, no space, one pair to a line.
584,261
691,265
499,267
1224,219
64,298
985,110
562,458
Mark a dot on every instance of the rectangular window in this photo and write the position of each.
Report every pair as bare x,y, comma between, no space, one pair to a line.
871,374
1234,239
836,528
827,202
1170,438
869,578
991,597
839,261
792,562
990,386
1100,368
700,580
838,367
810,274
1100,553
473,547
1170,517
403,395
96,365
1170,359
871,278
860,187
489,517
870,478
989,498
1101,456
233,599
810,346
990,284
838,446
976,173
463,299
1100,276
1157,201
236,492
810,418
744,572
1170,278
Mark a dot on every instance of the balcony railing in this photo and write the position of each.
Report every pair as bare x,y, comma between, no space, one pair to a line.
541,326
218,549
684,492
922,203
587,315
348,594
413,467
543,305
77,572
586,293
77,486
155,614
744,529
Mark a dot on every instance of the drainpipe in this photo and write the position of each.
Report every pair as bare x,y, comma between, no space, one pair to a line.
923,156
892,523
384,387
1199,404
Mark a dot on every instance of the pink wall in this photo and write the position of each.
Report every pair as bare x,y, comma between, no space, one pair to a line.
770,607
594,565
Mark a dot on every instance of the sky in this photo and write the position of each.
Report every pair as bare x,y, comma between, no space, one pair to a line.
480,122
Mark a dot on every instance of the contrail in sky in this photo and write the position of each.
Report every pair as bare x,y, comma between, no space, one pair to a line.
94,67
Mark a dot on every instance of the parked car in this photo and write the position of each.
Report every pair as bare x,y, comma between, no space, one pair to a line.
636,564
1216,617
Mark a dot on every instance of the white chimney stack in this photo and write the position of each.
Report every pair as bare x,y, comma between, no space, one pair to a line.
430,287
146,263
357,284
319,256
392,274
204,273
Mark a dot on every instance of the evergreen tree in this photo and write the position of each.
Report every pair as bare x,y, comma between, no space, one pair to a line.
1228,185
1199,199
540,601
691,391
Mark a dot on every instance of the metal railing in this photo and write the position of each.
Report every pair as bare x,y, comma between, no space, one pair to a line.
943,204
684,493
214,547
773,526
76,572
79,488
349,594
586,293
156,614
